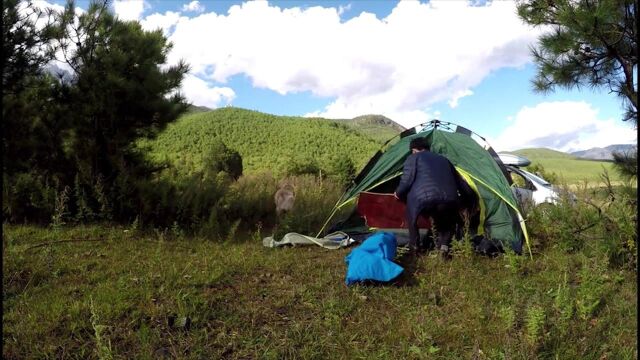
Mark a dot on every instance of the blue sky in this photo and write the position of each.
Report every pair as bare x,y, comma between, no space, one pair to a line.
411,61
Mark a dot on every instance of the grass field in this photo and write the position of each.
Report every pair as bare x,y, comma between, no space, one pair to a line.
569,169
124,295
115,292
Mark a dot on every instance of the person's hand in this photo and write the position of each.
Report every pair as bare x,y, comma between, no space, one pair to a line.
395,195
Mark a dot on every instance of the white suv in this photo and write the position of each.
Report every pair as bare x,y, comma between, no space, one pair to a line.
530,188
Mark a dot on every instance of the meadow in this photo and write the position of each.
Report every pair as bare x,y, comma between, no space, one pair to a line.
133,225
119,292
570,170
189,277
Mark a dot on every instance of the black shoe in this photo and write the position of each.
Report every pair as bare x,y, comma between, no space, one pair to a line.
444,252
411,251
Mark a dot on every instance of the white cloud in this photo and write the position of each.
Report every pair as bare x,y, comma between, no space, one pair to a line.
193,6
129,9
58,63
199,92
343,9
41,4
418,55
453,103
165,21
564,126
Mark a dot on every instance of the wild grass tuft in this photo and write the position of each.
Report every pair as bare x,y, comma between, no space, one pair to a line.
563,306
103,344
534,324
591,291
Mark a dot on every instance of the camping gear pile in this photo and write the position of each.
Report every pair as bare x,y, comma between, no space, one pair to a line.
380,218
373,260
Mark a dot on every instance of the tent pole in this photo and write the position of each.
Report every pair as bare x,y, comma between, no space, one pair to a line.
333,212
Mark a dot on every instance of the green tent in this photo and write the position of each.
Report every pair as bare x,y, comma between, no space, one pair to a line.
500,216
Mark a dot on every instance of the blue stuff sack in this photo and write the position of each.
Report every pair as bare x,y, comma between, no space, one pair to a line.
372,259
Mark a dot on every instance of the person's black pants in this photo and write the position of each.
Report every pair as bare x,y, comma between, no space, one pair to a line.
443,222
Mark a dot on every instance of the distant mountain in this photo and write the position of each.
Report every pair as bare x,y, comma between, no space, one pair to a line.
542,153
605,153
377,127
377,120
197,109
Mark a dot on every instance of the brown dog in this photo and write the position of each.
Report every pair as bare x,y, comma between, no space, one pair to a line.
285,197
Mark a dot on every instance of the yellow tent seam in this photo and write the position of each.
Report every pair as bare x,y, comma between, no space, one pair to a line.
473,185
520,218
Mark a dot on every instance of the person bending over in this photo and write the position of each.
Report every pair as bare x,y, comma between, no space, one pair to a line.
429,185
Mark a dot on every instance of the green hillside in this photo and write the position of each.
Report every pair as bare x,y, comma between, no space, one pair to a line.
270,142
377,127
265,142
568,167
197,109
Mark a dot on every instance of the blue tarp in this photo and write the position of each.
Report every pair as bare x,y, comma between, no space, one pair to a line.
373,259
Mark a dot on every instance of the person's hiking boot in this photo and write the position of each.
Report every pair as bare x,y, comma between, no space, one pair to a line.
410,257
444,252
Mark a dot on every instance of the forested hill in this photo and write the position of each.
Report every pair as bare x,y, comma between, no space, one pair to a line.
265,142
377,127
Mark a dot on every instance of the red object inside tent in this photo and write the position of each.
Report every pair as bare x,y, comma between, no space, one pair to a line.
384,211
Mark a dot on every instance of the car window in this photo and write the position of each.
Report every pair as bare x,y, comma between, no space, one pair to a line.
521,181
537,178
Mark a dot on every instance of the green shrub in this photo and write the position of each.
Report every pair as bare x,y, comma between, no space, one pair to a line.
104,211
591,291
566,224
315,198
619,231
534,324
61,213
537,169
304,166
563,306
28,197
342,170
508,316
251,199
219,158
84,211
192,202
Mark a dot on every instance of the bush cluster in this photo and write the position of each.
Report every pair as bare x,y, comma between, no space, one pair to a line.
596,220
205,203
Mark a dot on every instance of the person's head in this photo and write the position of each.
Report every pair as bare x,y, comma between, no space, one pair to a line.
418,144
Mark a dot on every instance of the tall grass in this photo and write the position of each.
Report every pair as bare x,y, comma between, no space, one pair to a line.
315,198
599,219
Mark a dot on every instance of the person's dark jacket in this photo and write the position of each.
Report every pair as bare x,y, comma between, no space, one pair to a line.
430,178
